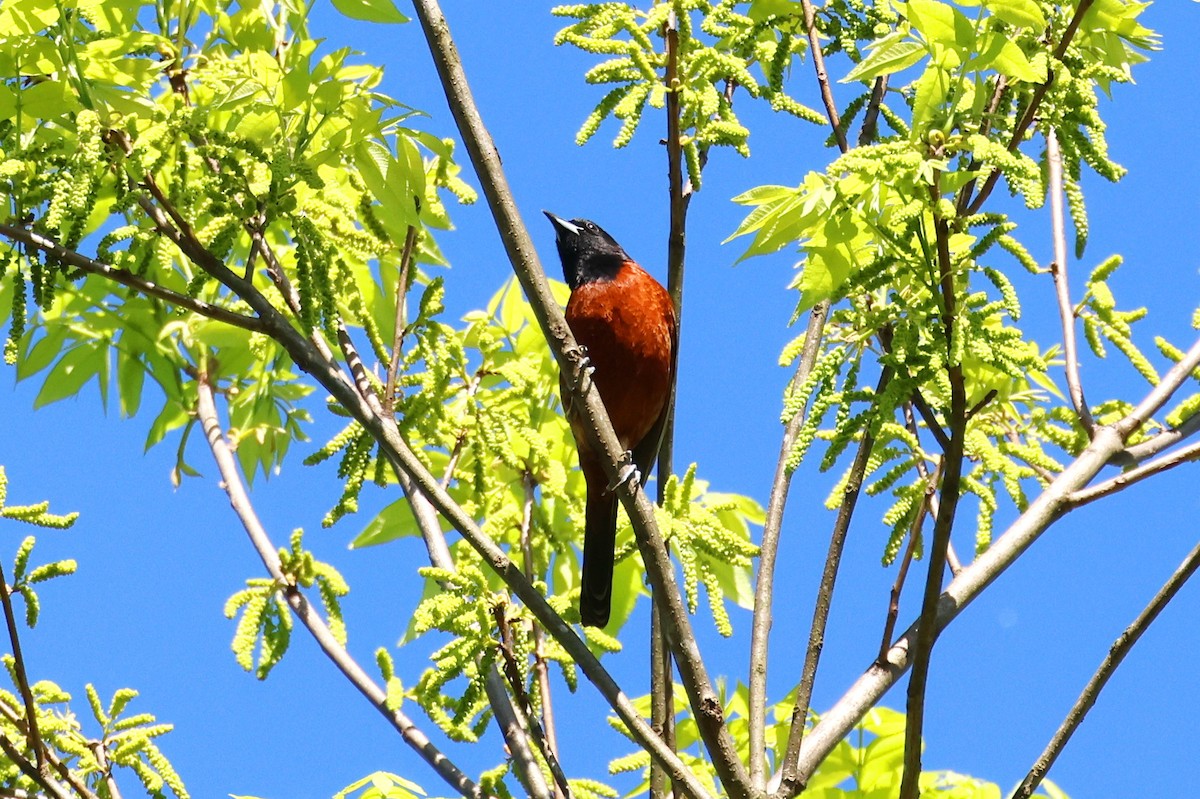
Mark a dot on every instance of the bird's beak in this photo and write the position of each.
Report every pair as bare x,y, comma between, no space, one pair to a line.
561,226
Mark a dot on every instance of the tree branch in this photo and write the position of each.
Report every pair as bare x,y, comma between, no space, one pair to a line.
703,697
32,734
927,629
1135,475
1161,393
790,784
1051,505
870,123
1116,653
240,501
402,280
81,790
1062,289
818,60
507,717
662,682
772,526
51,787
125,278
1035,103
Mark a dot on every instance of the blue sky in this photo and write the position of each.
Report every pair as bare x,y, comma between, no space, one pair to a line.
156,564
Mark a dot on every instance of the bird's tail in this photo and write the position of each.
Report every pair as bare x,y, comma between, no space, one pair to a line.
599,550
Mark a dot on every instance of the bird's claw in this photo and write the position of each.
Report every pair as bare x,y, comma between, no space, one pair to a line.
583,366
626,473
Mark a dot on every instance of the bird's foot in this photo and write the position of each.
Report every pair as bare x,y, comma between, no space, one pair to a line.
578,355
626,473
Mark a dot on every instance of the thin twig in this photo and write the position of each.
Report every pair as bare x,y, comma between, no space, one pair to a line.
546,736
1031,111
126,278
1062,288
29,770
772,526
704,700
516,737
929,505
1176,376
789,783
870,123
64,773
401,320
506,714
818,59
1164,440
927,630
1116,653
1136,475
100,751
931,421
32,734
239,499
662,703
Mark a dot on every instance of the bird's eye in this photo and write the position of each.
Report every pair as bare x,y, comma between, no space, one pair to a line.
591,226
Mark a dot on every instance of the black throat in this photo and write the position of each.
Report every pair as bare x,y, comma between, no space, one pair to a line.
588,253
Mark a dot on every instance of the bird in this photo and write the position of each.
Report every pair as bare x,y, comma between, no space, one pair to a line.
626,322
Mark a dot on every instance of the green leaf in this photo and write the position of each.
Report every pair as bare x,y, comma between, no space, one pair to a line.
942,24
394,521
932,88
384,11
887,60
1021,13
131,376
1005,56
41,354
69,374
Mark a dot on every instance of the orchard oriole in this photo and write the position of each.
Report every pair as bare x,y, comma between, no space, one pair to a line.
626,322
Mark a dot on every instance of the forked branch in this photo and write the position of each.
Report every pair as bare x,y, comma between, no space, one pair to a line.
1116,653
239,499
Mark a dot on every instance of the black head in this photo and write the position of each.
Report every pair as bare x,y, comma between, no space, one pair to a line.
587,252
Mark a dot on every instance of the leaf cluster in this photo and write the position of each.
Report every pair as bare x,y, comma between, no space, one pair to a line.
265,622
889,235
717,49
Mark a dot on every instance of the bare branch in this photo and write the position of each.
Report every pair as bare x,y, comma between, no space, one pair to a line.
1116,653
126,278
703,697
1168,438
100,750
528,772
870,123
818,60
402,281
930,419
927,629
772,527
240,501
662,701
506,714
928,506
1062,288
790,783
1136,475
33,736
51,786
1176,376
